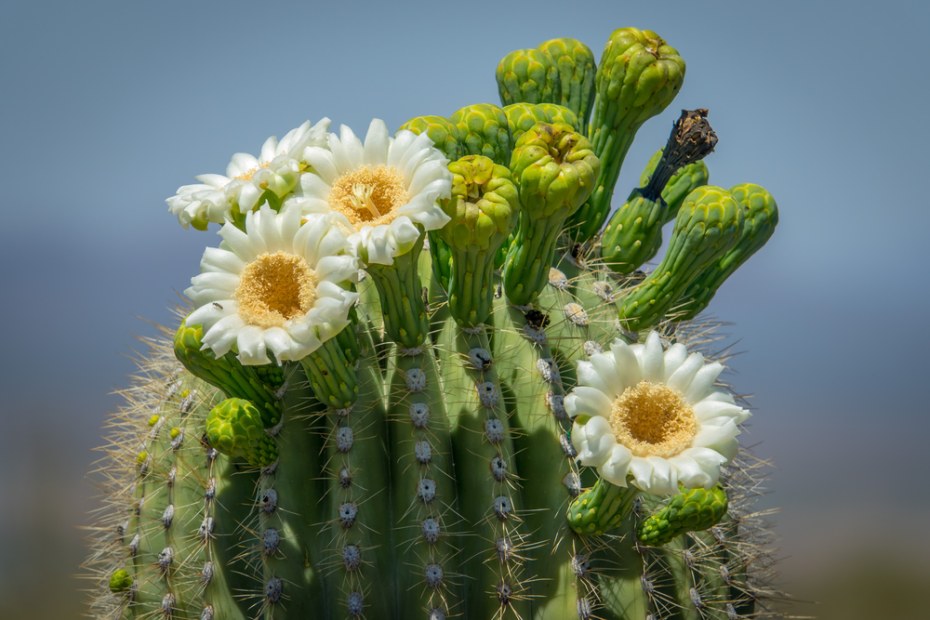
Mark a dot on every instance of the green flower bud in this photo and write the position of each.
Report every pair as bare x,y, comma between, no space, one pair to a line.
707,227
638,76
600,509
483,130
554,169
576,74
760,216
120,581
691,511
527,76
234,427
484,206
255,383
444,134
522,116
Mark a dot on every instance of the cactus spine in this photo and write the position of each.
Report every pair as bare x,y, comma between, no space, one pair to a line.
502,418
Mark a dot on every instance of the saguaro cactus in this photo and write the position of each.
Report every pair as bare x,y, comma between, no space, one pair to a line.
415,383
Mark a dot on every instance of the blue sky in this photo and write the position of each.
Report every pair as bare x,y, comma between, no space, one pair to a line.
108,107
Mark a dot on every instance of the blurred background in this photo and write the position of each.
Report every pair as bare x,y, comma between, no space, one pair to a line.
108,106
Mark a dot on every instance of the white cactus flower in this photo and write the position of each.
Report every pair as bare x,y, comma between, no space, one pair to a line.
278,287
386,190
219,198
652,417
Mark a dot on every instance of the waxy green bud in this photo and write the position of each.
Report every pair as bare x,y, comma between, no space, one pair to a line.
690,511
443,132
255,383
234,427
554,169
638,76
760,216
484,207
528,76
522,116
576,74
707,227
483,130
600,509
120,581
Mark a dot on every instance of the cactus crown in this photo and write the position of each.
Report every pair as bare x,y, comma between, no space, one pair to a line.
513,423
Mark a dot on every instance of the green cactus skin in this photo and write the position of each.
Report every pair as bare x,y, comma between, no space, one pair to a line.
689,511
707,227
419,464
638,76
490,497
760,216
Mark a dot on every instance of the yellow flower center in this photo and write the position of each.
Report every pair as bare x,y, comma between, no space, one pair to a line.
369,195
275,288
652,419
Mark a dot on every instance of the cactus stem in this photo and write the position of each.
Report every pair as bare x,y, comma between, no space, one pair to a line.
401,294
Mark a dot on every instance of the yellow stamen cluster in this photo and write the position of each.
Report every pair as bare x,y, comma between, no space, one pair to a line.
369,194
652,419
275,288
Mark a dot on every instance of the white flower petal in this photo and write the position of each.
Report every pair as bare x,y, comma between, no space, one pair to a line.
652,359
593,441
692,461
681,378
703,382
214,290
615,469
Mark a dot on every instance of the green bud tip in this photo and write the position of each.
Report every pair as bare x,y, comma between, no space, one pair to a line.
120,581
484,204
154,419
555,169
235,428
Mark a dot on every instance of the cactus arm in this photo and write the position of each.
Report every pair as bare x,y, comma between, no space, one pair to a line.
490,499
290,505
637,77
